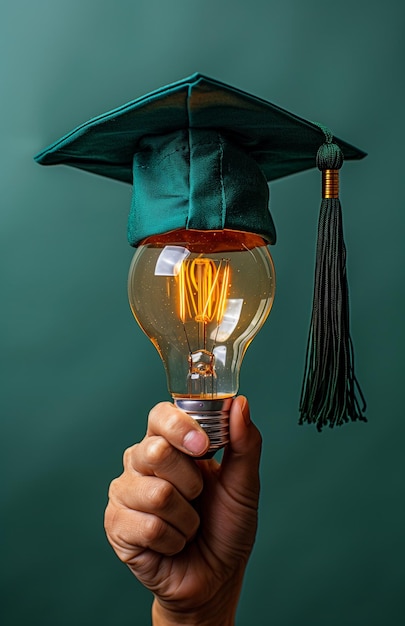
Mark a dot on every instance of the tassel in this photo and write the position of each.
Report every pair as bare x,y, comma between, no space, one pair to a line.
330,393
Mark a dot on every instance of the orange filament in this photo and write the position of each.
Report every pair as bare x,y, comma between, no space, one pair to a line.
203,288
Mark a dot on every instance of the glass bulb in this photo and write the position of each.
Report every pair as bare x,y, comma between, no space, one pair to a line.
201,297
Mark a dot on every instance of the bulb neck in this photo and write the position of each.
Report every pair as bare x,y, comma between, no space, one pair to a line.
213,416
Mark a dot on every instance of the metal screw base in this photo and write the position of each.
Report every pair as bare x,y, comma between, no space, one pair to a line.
213,417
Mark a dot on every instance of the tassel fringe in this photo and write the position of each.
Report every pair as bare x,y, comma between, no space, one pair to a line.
330,394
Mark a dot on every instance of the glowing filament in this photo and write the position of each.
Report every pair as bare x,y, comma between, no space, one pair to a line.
203,288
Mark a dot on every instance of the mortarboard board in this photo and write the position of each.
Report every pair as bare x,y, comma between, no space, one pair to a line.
199,154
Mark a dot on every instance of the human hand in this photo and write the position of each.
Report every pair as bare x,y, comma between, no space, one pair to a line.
186,527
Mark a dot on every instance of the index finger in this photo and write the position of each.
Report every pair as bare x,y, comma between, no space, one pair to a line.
178,428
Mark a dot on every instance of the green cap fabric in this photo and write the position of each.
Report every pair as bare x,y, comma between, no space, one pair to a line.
197,179
199,154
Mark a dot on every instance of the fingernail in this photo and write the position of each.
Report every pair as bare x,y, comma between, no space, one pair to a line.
195,442
245,411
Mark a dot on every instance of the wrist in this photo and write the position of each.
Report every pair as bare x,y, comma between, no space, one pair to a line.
161,616
218,611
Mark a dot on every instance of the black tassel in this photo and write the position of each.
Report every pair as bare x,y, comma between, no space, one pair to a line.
330,393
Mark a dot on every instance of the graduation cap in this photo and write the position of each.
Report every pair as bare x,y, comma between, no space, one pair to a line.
200,155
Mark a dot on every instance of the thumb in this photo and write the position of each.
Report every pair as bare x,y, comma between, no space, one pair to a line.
240,464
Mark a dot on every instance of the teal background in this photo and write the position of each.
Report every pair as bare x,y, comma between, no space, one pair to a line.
78,376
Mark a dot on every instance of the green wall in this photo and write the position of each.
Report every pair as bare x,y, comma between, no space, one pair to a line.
79,377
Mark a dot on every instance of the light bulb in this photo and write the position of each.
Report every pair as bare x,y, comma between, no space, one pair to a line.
201,297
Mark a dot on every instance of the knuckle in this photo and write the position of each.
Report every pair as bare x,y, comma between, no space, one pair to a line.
114,488
157,450
167,420
156,408
160,496
127,456
172,422
159,408
119,531
153,529
108,519
112,521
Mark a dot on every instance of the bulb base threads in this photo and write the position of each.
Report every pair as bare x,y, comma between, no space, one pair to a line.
213,416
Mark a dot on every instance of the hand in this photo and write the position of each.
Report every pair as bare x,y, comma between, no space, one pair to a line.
186,527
